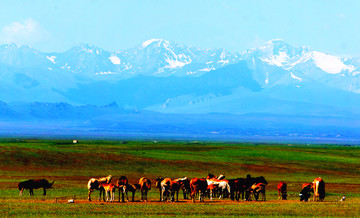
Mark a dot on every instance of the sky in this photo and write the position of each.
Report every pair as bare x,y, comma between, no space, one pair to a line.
330,26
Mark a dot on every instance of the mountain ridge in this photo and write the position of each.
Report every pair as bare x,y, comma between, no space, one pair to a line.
157,72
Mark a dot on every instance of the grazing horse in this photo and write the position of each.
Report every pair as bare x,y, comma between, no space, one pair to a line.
34,184
109,190
145,186
319,189
198,185
185,186
237,187
249,181
257,189
221,184
282,192
305,191
95,184
121,184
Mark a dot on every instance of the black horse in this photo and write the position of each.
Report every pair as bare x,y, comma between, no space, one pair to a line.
237,187
34,184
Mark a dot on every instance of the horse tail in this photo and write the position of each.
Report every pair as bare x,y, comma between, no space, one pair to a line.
316,189
228,187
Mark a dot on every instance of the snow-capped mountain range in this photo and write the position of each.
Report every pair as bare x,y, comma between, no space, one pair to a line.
162,88
168,77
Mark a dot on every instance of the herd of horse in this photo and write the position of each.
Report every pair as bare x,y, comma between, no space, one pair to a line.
247,189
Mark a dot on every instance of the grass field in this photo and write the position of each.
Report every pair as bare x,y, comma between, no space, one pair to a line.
72,165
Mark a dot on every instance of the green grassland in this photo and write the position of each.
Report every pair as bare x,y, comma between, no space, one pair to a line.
72,165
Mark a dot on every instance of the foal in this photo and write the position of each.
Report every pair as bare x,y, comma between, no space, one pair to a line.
109,190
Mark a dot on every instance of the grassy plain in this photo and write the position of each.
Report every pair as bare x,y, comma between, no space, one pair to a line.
72,165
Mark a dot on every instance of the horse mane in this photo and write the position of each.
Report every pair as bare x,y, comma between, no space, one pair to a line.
105,179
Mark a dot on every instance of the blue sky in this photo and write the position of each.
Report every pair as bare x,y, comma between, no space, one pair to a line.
329,26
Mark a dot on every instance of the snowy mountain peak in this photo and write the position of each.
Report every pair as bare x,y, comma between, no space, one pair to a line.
151,41
330,64
87,48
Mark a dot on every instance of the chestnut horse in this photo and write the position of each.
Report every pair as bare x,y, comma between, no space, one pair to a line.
168,187
109,190
319,189
257,189
198,185
282,192
94,184
145,186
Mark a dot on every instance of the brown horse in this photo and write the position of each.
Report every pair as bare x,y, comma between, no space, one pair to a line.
174,190
34,184
185,186
131,188
237,187
282,192
319,189
250,181
198,186
145,186
95,184
121,184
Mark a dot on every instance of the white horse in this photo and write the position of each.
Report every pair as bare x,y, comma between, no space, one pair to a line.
222,184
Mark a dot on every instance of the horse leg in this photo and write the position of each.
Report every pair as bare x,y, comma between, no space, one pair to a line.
119,192
177,196
31,191
89,194
21,191
192,195
123,194
126,193
133,195
44,191
264,195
